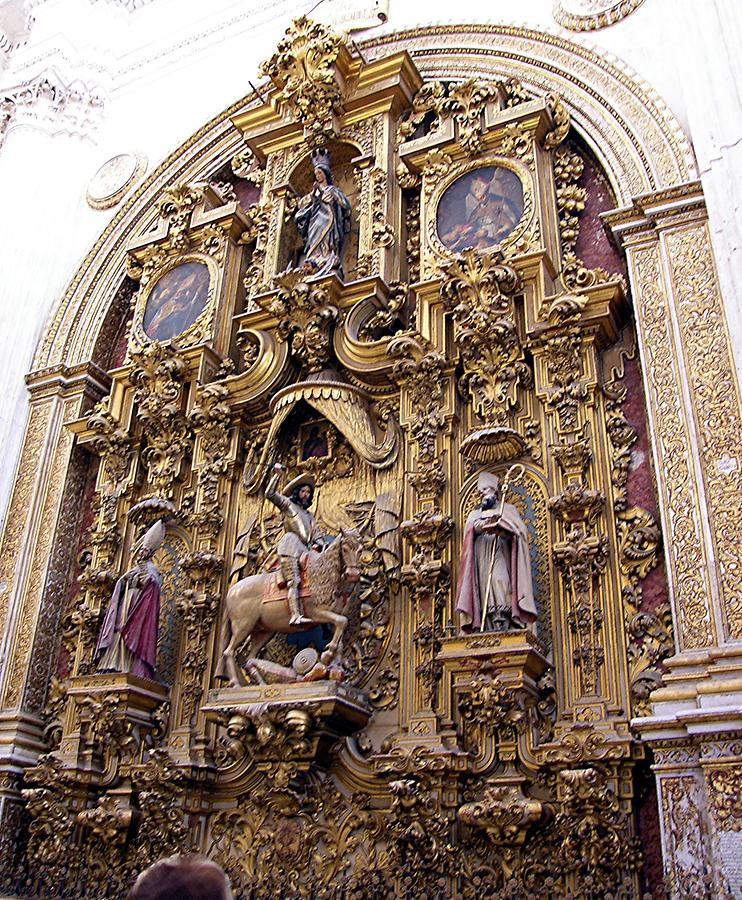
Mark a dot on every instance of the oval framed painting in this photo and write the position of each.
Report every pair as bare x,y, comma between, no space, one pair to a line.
480,209
176,300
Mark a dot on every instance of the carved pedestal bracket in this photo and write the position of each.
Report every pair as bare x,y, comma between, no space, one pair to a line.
284,730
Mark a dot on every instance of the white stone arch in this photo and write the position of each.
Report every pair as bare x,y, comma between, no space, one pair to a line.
632,133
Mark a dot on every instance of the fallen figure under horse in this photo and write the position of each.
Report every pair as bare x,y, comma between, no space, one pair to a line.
257,607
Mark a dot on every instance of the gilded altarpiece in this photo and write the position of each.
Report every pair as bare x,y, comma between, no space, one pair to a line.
463,334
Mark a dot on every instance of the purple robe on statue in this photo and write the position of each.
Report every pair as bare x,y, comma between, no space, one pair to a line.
128,639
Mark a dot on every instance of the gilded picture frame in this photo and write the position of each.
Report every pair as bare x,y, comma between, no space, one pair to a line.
463,175
193,298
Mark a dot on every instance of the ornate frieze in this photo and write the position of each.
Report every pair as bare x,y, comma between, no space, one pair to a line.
589,15
48,104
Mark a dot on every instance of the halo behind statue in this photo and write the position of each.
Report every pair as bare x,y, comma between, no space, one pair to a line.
492,444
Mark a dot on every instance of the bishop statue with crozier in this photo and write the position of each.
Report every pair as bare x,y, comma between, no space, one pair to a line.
495,587
128,637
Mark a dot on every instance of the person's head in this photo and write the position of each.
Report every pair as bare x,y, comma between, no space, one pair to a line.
303,495
322,176
182,878
489,489
479,186
143,554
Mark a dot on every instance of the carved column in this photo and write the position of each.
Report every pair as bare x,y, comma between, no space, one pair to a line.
37,548
588,614
694,414
214,454
419,371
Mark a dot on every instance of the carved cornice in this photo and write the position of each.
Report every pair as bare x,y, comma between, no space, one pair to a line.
50,104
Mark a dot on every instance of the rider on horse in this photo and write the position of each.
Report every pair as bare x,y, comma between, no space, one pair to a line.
301,533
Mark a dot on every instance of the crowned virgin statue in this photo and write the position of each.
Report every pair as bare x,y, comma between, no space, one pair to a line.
323,220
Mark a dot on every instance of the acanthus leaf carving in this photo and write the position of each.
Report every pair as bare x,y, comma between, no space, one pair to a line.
506,815
466,102
303,72
581,558
210,419
650,642
594,841
479,290
571,198
177,207
561,119
281,740
489,704
306,318
419,370
158,376
162,827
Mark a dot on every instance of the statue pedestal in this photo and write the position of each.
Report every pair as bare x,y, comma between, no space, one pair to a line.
517,658
111,712
285,728
495,678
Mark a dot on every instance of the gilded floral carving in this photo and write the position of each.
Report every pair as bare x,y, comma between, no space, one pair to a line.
724,792
687,558
306,318
158,374
303,72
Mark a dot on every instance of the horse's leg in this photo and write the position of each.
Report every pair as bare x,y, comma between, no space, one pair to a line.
321,615
239,634
258,640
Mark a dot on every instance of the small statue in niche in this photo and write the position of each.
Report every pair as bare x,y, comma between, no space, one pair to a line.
495,587
128,638
323,220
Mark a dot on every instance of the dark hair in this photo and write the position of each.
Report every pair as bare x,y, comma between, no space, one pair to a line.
295,493
182,878
326,170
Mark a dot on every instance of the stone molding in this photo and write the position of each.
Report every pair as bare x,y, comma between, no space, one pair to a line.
52,105
590,15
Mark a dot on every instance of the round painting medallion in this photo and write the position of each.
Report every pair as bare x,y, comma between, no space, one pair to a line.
589,15
176,301
480,209
114,178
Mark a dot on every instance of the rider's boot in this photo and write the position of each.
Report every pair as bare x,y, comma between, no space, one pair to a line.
297,616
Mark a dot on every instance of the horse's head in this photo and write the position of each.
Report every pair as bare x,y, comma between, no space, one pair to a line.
350,549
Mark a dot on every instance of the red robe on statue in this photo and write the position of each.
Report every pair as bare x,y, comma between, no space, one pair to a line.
128,639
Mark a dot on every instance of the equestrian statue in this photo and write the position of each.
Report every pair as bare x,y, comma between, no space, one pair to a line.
311,586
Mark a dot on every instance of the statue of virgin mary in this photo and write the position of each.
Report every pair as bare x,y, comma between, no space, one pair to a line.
323,220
